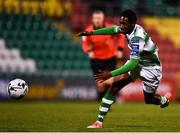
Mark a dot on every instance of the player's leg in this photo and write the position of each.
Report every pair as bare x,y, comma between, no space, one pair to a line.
156,99
108,65
102,88
152,77
152,98
97,65
105,85
118,83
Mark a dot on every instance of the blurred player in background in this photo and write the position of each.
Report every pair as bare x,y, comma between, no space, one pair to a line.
103,50
144,63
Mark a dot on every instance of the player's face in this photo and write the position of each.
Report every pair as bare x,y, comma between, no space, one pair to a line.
125,25
98,19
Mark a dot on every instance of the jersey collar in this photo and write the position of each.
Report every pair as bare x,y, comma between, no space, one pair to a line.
132,31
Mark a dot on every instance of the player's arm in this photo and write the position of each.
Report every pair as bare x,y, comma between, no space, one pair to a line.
102,31
136,44
86,44
128,66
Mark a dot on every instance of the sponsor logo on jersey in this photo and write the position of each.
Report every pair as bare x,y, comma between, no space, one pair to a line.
135,50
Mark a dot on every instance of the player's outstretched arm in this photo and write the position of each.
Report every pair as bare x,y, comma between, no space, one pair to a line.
128,66
102,31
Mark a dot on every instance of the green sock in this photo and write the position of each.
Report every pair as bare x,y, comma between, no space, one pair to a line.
107,101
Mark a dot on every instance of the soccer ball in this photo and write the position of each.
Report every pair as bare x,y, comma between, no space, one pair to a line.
17,88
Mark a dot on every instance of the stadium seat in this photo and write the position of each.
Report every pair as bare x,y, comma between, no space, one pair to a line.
38,45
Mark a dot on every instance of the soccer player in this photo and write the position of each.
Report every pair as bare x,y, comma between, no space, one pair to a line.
144,63
96,46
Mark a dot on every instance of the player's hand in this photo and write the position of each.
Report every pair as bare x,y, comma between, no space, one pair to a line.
85,33
119,54
91,55
102,76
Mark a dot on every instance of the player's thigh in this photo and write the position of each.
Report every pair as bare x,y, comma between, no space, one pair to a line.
106,84
151,79
109,82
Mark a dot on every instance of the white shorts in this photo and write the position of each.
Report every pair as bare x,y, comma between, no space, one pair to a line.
150,75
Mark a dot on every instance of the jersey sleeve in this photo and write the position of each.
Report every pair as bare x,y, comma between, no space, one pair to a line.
140,33
107,31
137,45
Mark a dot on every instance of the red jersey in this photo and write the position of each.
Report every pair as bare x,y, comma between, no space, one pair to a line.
103,46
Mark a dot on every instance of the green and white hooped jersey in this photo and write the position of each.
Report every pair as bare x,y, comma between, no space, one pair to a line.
142,47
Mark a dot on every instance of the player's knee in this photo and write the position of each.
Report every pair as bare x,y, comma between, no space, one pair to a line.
106,84
119,82
103,86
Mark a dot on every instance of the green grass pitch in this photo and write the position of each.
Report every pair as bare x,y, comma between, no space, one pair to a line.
75,116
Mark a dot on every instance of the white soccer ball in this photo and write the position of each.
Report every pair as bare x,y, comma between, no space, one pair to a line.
17,88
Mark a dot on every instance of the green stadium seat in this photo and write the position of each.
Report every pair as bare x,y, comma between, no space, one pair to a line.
37,38
59,64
